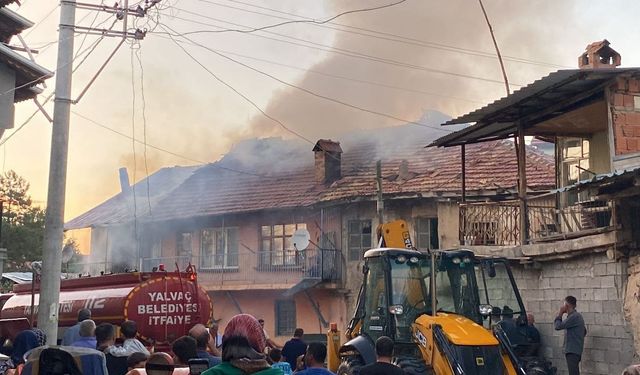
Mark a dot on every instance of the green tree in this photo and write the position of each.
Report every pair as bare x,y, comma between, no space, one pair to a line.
22,223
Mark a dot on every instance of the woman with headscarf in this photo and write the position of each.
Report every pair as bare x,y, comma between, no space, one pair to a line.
24,342
242,347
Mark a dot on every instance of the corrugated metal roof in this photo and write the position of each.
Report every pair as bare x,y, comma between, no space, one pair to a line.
32,72
18,277
601,180
532,102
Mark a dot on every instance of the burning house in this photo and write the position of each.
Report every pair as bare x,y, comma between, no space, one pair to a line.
235,219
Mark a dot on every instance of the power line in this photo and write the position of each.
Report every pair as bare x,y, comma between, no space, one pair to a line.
382,35
380,84
340,51
312,21
144,124
91,48
169,152
328,98
240,94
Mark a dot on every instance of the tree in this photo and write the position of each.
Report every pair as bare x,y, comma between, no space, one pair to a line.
22,223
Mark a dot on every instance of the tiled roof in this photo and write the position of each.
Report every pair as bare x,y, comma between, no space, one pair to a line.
281,174
120,208
491,167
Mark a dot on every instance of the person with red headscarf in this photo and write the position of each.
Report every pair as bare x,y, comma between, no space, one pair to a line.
243,343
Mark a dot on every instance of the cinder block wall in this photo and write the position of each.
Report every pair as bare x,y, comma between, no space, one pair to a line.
599,285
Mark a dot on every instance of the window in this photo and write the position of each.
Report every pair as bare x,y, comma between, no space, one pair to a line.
219,248
285,317
575,165
427,233
183,244
359,238
277,247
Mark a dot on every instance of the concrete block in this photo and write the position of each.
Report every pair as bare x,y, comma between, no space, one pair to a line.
595,307
602,368
607,282
600,295
556,282
600,269
612,294
593,282
612,307
580,282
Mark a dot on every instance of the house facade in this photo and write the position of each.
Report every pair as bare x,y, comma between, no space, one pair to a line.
236,220
581,238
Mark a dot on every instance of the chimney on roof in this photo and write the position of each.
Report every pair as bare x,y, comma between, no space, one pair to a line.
328,161
125,186
599,55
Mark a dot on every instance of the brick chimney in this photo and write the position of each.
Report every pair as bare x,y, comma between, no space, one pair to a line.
328,157
599,55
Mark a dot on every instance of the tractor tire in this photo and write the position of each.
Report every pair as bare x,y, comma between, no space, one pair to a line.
413,366
350,366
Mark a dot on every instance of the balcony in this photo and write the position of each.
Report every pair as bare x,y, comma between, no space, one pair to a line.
498,223
260,270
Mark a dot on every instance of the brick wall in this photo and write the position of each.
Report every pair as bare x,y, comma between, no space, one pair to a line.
625,110
598,283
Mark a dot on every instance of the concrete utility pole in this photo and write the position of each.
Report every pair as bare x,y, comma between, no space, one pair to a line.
54,220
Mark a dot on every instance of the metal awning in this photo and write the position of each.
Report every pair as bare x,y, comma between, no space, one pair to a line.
558,93
610,182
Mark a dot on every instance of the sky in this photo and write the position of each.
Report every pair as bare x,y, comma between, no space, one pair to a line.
399,62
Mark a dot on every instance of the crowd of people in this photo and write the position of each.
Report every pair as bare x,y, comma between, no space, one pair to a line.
244,348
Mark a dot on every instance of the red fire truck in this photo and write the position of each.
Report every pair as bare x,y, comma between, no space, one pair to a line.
165,305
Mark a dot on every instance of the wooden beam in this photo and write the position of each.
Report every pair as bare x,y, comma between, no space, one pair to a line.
464,172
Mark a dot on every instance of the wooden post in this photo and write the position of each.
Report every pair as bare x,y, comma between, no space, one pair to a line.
522,184
464,173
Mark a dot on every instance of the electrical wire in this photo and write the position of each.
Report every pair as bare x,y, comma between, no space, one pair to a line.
252,30
42,20
135,163
169,152
383,35
380,84
138,54
91,48
340,51
247,99
328,98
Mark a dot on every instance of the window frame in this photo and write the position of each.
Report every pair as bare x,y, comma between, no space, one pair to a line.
278,236
432,223
180,241
356,253
282,329
227,259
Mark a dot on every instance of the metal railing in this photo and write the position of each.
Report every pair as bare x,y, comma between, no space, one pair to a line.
498,223
283,267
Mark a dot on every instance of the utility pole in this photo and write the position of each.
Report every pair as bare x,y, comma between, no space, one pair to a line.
54,219
48,304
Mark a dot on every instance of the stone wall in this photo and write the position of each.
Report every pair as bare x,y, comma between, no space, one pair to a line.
599,284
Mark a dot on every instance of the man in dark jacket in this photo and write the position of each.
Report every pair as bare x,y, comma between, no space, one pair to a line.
383,365
575,329
105,337
202,336
294,348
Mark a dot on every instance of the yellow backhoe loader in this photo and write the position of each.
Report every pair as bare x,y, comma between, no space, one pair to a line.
436,307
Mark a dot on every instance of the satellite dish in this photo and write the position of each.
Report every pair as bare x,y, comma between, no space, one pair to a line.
67,253
301,239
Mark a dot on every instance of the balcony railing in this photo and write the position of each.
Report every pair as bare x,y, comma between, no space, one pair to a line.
288,267
498,223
